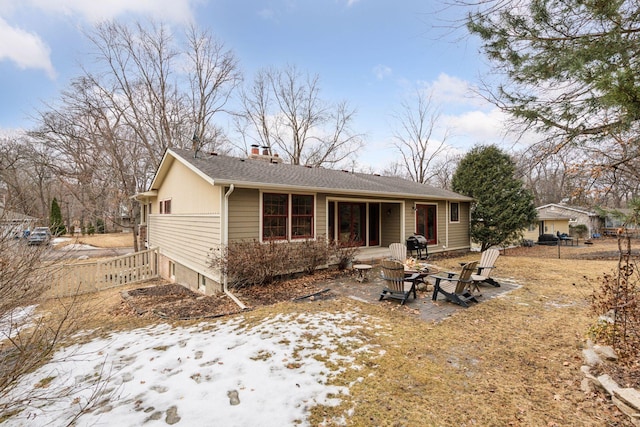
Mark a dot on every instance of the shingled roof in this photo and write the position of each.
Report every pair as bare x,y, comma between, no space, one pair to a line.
254,173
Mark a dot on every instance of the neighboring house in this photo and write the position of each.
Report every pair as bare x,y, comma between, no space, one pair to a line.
548,223
14,223
613,222
199,202
551,217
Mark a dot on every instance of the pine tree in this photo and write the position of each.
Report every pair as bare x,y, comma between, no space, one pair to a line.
503,207
569,70
55,219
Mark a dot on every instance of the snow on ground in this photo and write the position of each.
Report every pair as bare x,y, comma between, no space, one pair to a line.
77,247
73,246
56,240
15,320
278,369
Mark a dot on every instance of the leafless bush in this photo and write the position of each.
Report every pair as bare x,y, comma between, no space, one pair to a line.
345,252
313,254
617,303
28,337
248,263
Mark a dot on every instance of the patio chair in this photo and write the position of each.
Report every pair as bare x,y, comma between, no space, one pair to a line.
397,285
455,287
398,251
485,266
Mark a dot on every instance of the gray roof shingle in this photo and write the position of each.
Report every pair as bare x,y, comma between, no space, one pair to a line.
260,174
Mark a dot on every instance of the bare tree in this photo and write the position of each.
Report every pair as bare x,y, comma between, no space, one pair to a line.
26,176
414,139
212,78
70,132
256,122
282,109
396,169
548,177
580,175
444,167
167,94
138,81
109,130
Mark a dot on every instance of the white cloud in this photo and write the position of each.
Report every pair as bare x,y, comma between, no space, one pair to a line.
381,71
477,126
448,89
96,11
26,50
267,14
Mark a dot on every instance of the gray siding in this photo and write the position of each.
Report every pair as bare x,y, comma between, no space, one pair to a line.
244,219
459,232
244,214
452,235
321,216
390,230
442,219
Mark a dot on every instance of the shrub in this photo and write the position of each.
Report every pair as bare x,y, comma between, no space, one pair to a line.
312,254
345,253
29,336
248,263
617,303
579,230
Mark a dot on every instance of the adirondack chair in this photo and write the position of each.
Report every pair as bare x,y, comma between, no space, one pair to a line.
397,285
398,251
455,287
485,266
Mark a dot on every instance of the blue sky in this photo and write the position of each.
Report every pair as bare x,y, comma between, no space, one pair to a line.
371,53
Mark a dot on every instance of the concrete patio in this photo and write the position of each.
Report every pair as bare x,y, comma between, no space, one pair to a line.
434,311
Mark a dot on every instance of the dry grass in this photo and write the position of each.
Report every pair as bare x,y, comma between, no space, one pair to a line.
112,240
510,361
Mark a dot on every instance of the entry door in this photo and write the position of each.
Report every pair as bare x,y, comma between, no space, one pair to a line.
352,220
426,223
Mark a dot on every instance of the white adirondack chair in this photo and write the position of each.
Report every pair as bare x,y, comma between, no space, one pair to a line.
486,266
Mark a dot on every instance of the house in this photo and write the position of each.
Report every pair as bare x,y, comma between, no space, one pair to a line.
549,222
615,220
14,223
198,201
552,219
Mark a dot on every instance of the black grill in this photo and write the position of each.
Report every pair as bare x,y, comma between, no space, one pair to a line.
418,244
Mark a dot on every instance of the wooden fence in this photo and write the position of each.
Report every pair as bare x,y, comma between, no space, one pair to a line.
95,276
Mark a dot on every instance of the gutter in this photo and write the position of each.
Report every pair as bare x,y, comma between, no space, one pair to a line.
225,242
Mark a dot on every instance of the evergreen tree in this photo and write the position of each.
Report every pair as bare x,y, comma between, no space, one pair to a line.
570,71
503,207
56,224
100,227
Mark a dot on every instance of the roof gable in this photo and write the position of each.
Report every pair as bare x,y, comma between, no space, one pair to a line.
7,216
576,209
166,163
254,173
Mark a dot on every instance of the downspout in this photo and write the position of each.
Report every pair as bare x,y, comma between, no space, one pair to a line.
225,242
